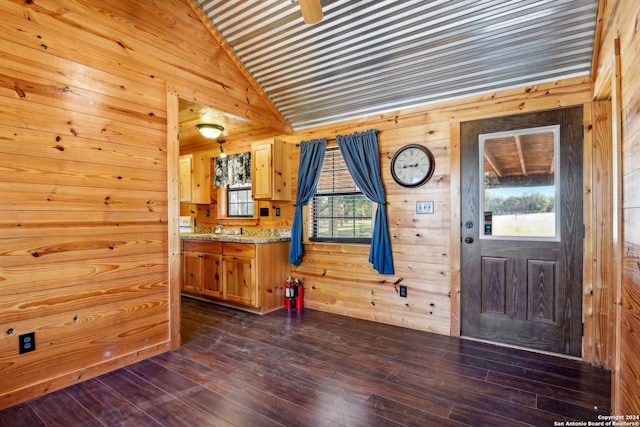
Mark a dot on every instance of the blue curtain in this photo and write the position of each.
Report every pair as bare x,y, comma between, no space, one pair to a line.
360,152
310,166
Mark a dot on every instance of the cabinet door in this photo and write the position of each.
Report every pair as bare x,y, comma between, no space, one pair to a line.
271,170
239,281
201,179
185,178
281,170
191,272
211,275
261,173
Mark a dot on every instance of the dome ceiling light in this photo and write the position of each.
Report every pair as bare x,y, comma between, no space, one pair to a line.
210,131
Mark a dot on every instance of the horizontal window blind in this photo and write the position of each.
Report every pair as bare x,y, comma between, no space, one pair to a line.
339,210
335,177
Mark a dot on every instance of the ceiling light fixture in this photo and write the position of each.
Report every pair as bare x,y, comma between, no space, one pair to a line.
210,131
222,153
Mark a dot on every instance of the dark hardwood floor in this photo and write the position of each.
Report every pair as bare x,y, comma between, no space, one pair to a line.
318,369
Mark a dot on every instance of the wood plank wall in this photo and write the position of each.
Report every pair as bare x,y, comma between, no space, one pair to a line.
84,205
339,276
617,74
83,172
426,247
339,279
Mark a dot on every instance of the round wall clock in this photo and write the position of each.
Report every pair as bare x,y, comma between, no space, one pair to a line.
412,165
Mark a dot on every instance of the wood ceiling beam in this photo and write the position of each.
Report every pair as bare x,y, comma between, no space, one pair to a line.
520,155
311,11
492,162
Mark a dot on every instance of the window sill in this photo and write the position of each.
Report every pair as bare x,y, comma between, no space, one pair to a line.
343,247
342,242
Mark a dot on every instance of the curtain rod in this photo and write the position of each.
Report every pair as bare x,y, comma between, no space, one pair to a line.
328,140
333,139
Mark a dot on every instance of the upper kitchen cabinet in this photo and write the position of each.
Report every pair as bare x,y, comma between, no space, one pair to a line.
185,178
271,170
195,178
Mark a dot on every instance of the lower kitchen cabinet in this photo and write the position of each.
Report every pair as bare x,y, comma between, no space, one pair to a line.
239,266
202,268
246,275
191,272
212,275
239,280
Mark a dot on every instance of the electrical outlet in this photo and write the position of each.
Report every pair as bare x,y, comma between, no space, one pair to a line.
207,212
424,207
403,291
27,342
278,211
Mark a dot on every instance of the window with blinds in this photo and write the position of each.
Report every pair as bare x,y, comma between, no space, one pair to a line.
339,210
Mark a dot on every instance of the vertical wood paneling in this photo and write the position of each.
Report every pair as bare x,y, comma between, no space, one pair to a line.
618,383
455,230
619,61
173,213
630,281
588,343
600,295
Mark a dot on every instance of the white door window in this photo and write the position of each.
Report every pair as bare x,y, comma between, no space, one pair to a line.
519,184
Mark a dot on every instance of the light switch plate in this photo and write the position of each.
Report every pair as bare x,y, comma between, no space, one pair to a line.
424,207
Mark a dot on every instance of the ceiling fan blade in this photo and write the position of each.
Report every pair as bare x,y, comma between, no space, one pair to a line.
311,11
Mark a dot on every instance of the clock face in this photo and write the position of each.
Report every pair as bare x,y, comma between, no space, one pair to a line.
412,165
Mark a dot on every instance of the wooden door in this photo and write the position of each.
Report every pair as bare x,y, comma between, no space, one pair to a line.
522,230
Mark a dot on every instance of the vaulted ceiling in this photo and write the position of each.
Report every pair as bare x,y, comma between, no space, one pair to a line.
367,57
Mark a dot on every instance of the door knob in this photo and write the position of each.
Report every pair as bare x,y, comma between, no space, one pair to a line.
468,239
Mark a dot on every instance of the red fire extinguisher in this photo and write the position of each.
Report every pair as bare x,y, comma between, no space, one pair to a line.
299,292
289,294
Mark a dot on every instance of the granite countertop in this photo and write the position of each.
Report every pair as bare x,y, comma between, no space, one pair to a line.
236,238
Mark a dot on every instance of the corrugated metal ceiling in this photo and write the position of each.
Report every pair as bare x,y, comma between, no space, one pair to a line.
368,57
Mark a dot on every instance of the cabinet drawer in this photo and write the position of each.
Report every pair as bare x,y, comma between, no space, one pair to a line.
200,246
240,249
